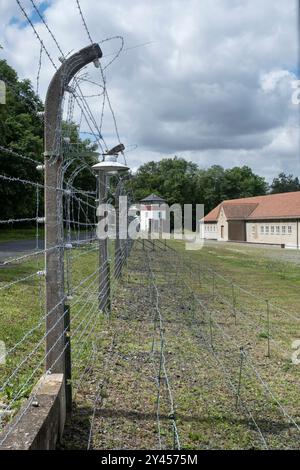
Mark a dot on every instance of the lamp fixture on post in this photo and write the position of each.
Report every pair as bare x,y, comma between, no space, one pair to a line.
109,166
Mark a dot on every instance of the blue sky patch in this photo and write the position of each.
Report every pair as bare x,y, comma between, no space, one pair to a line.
22,23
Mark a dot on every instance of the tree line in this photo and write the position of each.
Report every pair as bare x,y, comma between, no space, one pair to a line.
183,182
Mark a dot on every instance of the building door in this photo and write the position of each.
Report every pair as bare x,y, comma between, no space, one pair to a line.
222,231
237,230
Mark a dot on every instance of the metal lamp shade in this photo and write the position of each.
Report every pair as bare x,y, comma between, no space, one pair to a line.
110,165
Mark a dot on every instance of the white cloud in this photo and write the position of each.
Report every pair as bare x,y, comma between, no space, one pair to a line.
270,80
215,85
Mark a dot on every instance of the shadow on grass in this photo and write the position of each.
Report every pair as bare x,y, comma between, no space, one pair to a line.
77,430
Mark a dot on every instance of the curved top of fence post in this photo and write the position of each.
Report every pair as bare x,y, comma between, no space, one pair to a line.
57,87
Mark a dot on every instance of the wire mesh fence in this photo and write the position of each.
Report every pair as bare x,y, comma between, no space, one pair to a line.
56,281
183,372
24,318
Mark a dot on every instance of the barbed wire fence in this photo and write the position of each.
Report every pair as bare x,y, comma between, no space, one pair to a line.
53,291
248,348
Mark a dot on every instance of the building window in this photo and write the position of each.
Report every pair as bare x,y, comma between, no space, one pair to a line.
277,230
289,229
262,230
267,230
283,229
272,229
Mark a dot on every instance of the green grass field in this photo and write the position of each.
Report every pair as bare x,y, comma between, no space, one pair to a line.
251,300
8,235
22,320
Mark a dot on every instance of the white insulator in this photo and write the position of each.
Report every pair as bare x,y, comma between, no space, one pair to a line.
40,114
40,167
67,140
69,297
41,273
68,192
41,220
68,246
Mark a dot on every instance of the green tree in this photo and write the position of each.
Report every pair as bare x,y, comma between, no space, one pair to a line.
174,179
216,184
21,130
240,182
209,186
285,184
179,181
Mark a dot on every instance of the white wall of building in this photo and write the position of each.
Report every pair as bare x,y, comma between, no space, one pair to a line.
151,213
210,231
268,232
222,227
283,232
218,230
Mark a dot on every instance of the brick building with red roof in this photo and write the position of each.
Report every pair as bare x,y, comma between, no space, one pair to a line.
272,219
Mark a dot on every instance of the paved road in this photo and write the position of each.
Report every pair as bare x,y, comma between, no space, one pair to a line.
13,249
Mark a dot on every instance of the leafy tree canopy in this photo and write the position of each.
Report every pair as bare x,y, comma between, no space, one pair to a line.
285,184
21,130
179,181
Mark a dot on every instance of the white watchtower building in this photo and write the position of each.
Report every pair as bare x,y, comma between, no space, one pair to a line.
152,214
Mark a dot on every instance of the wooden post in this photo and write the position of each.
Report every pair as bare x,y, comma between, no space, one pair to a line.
268,328
242,356
234,303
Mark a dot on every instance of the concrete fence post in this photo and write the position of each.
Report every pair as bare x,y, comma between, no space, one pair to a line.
117,242
104,271
54,225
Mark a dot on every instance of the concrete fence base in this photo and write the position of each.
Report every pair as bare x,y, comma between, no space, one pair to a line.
42,424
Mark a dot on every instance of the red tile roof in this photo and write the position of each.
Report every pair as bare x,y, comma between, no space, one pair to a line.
272,206
238,211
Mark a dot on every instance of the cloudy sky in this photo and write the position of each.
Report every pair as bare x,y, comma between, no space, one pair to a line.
212,82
